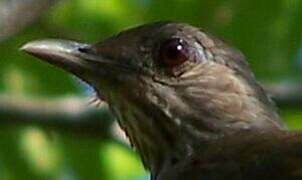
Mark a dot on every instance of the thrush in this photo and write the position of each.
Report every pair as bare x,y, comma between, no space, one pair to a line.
173,87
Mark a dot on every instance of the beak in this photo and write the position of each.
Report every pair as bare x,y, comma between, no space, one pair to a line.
63,53
74,57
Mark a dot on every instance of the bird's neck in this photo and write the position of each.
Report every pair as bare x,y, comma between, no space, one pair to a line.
163,137
167,124
158,139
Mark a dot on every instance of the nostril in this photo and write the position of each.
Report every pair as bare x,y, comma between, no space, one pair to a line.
84,49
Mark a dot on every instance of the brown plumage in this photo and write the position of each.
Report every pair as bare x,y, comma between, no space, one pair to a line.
173,88
275,155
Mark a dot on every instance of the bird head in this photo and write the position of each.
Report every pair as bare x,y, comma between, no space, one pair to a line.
171,86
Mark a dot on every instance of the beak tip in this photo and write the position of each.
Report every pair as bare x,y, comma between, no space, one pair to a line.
25,47
30,47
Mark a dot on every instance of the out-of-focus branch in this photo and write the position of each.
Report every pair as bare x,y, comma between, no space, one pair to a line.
66,114
286,94
17,14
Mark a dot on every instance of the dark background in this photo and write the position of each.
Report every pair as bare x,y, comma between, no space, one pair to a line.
269,33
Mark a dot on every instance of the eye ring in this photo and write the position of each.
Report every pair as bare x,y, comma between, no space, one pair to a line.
172,52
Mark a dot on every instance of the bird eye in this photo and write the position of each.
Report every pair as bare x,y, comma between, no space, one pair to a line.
173,52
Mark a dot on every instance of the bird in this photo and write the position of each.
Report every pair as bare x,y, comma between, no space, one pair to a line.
173,88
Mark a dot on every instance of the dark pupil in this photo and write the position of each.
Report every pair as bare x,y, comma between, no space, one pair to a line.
173,52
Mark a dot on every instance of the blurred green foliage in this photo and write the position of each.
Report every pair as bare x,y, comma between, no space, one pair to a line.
269,33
